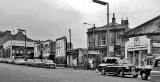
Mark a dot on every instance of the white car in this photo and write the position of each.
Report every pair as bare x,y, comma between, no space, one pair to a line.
37,63
3,60
49,64
19,61
8,60
30,62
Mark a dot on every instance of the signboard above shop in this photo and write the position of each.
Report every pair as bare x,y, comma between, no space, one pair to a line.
156,44
18,43
93,52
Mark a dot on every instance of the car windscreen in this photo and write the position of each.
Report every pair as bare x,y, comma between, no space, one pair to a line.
111,61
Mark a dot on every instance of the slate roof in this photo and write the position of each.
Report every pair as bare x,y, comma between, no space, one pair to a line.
16,37
111,27
145,28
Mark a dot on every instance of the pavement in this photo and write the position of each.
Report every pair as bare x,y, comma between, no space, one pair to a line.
18,73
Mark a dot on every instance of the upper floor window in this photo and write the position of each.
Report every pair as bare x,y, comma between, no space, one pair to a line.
118,39
136,41
101,39
90,40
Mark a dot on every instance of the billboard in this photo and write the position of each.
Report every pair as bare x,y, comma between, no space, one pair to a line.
37,50
61,47
46,48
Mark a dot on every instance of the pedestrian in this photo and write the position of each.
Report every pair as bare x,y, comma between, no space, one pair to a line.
94,64
85,65
75,63
91,64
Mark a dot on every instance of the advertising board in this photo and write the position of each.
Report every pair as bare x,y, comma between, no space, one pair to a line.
46,48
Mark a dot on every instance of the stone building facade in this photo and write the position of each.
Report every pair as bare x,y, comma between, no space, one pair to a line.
142,43
13,45
97,39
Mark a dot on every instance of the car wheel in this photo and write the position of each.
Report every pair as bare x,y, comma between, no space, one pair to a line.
144,76
103,72
121,73
135,76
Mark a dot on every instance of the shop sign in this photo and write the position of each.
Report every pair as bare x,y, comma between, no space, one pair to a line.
141,47
156,44
93,52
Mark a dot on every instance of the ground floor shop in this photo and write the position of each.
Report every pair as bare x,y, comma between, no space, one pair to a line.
17,49
95,55
141,50
76,57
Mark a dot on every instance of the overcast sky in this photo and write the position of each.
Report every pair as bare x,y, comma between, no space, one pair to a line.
51,19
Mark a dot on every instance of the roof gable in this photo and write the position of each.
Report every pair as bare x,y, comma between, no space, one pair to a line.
150,27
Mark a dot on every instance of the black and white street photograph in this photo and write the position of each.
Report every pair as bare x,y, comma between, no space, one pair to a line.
79,40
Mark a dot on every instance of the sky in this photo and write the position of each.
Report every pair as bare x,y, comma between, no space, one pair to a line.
52,19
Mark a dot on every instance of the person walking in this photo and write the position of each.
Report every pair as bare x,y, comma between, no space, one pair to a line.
75,63
94,64
91,64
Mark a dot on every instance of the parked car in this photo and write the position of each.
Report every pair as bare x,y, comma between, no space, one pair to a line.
3,60
19,61
155,72
37,63
103,64
10,61
30,62
49,64
145,71
119,67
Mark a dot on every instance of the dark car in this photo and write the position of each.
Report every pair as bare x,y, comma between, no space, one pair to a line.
119,67
49,64
155,72
103,64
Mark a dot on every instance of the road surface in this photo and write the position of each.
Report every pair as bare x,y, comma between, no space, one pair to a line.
16,73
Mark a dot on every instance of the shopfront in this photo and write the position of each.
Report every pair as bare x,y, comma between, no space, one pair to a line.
138,50
16,49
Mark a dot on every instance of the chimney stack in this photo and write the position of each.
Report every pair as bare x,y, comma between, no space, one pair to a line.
124,21
113,19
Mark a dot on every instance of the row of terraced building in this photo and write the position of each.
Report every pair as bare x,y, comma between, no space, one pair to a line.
139,45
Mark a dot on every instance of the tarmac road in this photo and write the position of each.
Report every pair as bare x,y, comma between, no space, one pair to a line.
16,73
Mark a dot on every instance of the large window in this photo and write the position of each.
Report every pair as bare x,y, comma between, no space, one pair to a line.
101,39
118,39
90,40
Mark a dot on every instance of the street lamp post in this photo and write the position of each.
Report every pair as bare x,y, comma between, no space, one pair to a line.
105,3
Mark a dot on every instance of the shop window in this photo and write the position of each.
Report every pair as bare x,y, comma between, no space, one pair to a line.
13,51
